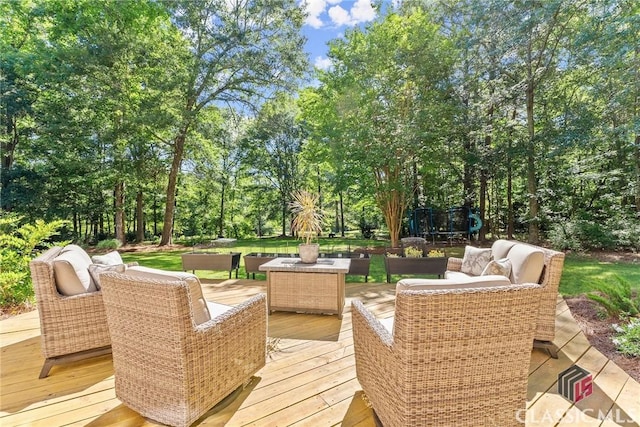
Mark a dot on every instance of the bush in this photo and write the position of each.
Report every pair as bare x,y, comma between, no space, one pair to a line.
627,340
109,244
366,229
412,252
620,232
19,244
616,298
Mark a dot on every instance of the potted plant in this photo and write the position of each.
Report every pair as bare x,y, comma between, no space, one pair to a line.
307,222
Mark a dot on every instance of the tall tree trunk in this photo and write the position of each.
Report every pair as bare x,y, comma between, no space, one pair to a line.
468,172
284,216
169,209
482,233
119,212
139,217
222,195
341,214
532,183
637,167
155,214
510,213
636,116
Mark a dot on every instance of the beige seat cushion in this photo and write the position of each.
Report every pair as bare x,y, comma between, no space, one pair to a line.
475,260
456,275
111,258
199,304
216,309
388,323
461,283
527,263
71,273
500,248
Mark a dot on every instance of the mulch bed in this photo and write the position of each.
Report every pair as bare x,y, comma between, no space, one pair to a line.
599,332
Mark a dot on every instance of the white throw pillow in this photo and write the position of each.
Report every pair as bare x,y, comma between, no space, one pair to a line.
95,270
500,267
112,258
475,260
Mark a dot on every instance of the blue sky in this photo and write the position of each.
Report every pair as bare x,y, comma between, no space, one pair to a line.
328,19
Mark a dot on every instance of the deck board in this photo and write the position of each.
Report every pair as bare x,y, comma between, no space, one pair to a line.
309,378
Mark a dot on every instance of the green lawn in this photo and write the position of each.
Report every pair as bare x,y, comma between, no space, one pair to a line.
579,274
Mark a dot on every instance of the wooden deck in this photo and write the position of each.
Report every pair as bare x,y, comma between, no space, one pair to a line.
309,379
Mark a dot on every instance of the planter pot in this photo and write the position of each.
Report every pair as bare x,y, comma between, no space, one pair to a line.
309,253
424,265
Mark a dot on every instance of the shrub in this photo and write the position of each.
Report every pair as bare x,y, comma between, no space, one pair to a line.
366,229
412,252
616,298
620,232
627,340
19,244
109,244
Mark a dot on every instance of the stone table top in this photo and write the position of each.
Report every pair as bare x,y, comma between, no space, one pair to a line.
323,265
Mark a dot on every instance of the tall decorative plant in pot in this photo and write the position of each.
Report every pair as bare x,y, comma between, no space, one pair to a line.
307,222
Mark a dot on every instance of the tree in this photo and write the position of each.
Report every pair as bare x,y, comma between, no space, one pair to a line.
21,37
273,146
388,86
239,51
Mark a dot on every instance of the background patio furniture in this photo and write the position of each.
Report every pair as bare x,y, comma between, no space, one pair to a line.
169,368
72,327
211,261
405,265
254,260
449,357
360,262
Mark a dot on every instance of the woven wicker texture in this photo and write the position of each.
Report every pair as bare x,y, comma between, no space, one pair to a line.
551,274
167,368
456,357
69,324
317,291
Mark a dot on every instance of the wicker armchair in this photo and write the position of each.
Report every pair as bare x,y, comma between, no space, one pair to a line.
72,327
452,357
550,280
167,367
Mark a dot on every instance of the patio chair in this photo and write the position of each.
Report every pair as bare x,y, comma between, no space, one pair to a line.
549,280
175,358
449,356
72,327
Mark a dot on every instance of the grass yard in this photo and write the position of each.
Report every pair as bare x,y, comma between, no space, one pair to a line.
579,275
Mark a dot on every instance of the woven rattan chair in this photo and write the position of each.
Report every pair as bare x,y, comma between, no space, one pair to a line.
550,280
452,357
168,368
72,327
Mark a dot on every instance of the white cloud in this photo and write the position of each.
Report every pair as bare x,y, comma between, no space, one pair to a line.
362,11
313,9
339,16
322,63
